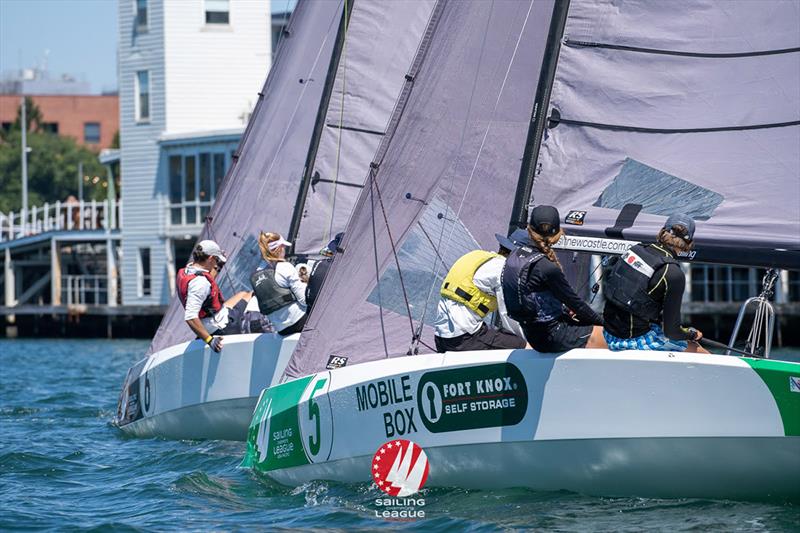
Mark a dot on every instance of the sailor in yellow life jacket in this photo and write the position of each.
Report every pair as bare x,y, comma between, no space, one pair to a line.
471,291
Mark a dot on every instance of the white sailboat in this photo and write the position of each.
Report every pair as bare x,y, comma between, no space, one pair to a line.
644,423
321,114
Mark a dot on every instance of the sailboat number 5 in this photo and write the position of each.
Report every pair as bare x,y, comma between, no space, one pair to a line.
316,422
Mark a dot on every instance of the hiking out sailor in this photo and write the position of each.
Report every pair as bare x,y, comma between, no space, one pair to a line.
470,291
207,313
320,269
644,290
277,286
538,295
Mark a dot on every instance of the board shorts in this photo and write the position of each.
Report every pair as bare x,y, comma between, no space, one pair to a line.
556,336
652,340
486,338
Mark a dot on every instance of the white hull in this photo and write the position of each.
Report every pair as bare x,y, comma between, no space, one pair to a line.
188,391
627,423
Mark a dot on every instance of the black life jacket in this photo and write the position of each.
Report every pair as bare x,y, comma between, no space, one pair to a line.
523,302
627,284
315,280
271,296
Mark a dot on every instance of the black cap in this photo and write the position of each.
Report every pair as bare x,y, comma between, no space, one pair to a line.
545,214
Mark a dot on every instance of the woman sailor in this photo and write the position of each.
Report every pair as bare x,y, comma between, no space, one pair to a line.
277,286
536,292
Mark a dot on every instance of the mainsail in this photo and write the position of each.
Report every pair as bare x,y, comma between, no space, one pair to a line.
460,125
326,103
694,108
261,187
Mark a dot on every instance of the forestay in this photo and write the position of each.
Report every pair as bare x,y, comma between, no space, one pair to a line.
442,181
694,109
261,187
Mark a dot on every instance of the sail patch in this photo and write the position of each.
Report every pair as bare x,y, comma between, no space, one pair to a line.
658,193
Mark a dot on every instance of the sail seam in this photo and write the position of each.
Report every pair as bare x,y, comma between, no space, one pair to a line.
679,53
555,121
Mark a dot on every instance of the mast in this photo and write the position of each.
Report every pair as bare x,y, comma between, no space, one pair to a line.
519,213
319,124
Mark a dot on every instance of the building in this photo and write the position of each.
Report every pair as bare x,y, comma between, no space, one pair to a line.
91,120
189,76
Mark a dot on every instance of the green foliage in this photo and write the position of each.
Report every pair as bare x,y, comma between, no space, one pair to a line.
52,170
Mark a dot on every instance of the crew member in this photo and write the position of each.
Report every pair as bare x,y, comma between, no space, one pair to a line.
644,289
470,291
280,292
320,270
206,312
536,292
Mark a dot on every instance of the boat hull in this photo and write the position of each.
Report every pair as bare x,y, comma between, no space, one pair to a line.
654,424
188,391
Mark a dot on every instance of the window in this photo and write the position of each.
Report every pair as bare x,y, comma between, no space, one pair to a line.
91,132
217,12
50,127
194,179
6,126
144,272
141,15
142,99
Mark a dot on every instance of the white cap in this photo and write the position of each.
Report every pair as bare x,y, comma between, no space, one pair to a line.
274,245
211,248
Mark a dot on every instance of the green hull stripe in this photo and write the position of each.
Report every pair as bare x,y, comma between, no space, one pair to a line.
776,375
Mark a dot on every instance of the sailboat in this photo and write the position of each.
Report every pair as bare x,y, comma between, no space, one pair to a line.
322,112
616,113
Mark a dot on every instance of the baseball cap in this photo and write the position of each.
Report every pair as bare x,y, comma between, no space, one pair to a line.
211,248
518,237
274,245
545,214
681,219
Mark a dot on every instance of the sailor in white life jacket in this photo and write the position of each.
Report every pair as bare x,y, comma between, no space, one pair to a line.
207,313
280,293
471,290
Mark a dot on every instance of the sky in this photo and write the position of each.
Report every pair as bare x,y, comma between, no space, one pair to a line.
77,37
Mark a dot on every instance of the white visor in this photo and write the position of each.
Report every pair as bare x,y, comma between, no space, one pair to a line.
274,245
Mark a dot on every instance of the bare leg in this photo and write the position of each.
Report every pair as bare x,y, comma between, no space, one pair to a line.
596,339
694,347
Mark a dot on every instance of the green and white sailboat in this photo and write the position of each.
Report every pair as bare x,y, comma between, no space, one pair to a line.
619,113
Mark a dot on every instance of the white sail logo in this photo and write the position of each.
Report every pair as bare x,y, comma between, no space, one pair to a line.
262,439
400,468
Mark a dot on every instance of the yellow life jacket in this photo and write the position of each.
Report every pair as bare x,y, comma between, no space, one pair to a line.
459,287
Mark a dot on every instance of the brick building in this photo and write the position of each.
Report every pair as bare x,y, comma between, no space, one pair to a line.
91,120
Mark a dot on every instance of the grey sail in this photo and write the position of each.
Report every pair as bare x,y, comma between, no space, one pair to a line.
382,38
442,182
260,189
694,109
370,61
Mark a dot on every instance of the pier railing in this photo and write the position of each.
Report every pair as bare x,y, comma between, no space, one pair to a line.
60,216
84,289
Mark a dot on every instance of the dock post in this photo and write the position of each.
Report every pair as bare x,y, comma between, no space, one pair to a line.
55,268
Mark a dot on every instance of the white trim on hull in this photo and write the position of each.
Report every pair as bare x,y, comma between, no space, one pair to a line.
593,421
188,391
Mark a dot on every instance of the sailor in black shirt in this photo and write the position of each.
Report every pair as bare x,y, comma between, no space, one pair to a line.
644,290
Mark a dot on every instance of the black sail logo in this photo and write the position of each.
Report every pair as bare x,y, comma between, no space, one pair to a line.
472,397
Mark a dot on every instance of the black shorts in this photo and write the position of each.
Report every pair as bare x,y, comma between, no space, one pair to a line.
556,336
486,338
235,316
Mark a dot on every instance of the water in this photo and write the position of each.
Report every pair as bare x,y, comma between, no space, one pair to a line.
63,466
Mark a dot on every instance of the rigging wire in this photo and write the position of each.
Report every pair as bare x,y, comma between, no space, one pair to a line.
343,57
477,157
377,271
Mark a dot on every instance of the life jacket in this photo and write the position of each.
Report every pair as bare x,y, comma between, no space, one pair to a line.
627,284
460,287
523,303
315,280
271,296
212,304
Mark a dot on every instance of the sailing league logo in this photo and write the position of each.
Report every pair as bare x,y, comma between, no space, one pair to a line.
400,468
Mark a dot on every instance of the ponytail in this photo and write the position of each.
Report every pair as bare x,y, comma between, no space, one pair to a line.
545,244
263,243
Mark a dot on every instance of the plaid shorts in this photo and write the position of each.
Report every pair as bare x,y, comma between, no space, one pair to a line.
652,340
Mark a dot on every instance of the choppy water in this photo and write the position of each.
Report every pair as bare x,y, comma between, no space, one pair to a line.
63,466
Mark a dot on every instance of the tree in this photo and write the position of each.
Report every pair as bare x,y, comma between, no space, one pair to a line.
52,170
33,116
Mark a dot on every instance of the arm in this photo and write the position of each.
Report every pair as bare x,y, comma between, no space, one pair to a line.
673,294
554,279
198,290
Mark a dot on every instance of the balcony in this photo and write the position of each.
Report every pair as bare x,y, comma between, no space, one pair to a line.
73,216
